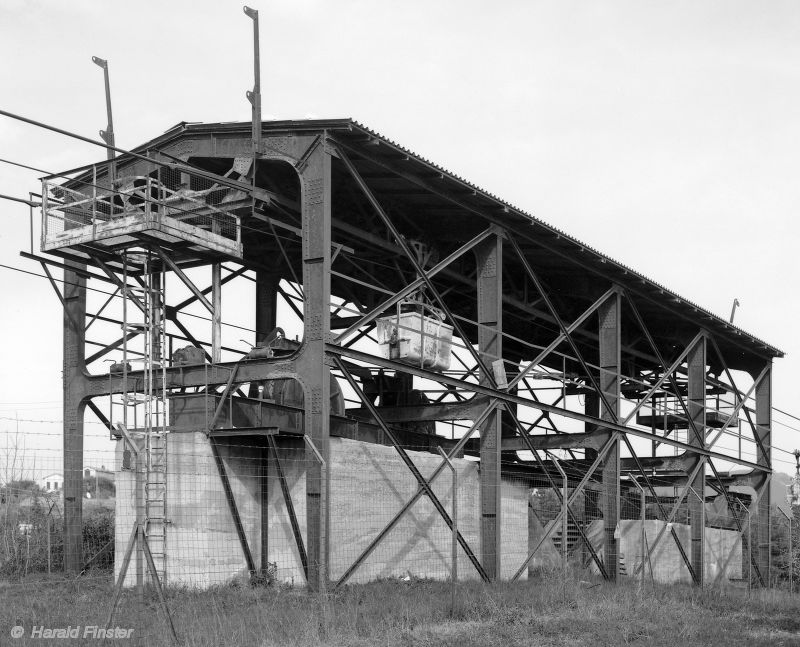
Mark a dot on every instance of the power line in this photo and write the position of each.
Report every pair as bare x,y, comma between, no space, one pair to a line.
787,414
25,166
116,295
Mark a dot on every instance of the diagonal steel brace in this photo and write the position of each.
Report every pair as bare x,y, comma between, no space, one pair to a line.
410,464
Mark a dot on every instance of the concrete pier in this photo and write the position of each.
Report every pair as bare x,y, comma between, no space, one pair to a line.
369,484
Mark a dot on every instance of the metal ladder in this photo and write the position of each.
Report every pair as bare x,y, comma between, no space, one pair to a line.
144,402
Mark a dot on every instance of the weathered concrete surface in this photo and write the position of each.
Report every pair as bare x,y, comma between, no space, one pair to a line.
723,550
369,484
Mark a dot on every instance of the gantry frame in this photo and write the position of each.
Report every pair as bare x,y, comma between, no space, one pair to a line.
516,289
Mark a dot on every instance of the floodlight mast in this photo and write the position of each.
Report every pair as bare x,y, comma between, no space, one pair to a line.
107,135
254,96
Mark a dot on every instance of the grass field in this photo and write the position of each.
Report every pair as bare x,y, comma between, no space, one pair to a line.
416,613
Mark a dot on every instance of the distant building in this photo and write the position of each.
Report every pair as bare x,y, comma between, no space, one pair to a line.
102,471
51,482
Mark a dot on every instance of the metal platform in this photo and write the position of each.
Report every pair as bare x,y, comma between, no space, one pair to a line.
192,224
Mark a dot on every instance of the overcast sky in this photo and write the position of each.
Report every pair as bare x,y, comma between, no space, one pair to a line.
664,134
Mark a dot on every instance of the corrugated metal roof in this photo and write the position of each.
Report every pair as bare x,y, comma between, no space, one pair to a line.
350,124
520,212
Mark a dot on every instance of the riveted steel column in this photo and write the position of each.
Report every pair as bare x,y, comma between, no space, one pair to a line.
490,346
762,539
696,365
592,496
74,391
216,316
609,351
266,320
312,366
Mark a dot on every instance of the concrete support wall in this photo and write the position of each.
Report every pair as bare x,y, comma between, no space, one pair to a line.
722,551
369,484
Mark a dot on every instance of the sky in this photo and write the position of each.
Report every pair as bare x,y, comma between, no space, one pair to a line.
664,134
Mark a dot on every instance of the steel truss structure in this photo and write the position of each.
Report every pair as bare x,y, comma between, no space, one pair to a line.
557,347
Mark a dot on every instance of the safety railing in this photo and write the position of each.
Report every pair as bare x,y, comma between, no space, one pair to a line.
70,208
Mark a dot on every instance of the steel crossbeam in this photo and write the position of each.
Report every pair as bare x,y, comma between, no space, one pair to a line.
564,331
198,295
661,509
742,398
414,285
125,289
410,464
578,490
668,521
287,498
515,399
412,258
664,377
738,407
232,507
562,337
526,439
453,453
699,436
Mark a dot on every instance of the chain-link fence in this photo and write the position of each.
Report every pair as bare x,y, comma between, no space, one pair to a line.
235,516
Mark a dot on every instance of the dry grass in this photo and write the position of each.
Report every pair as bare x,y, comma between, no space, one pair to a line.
416,614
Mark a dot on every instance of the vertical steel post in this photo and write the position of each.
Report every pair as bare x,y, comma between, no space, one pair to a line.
489,256
610,359
643,536
789,520
749,551
315,183
454,540
266,321
263,493
323,465
74,390
564,513
107,135
140,521
49,554
763,398
216,316
254,97
696,365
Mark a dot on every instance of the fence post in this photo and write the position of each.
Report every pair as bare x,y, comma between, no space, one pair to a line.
791,556
48,543
643,537
323,584
323,567
700,576
749,545
454,543
564,514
